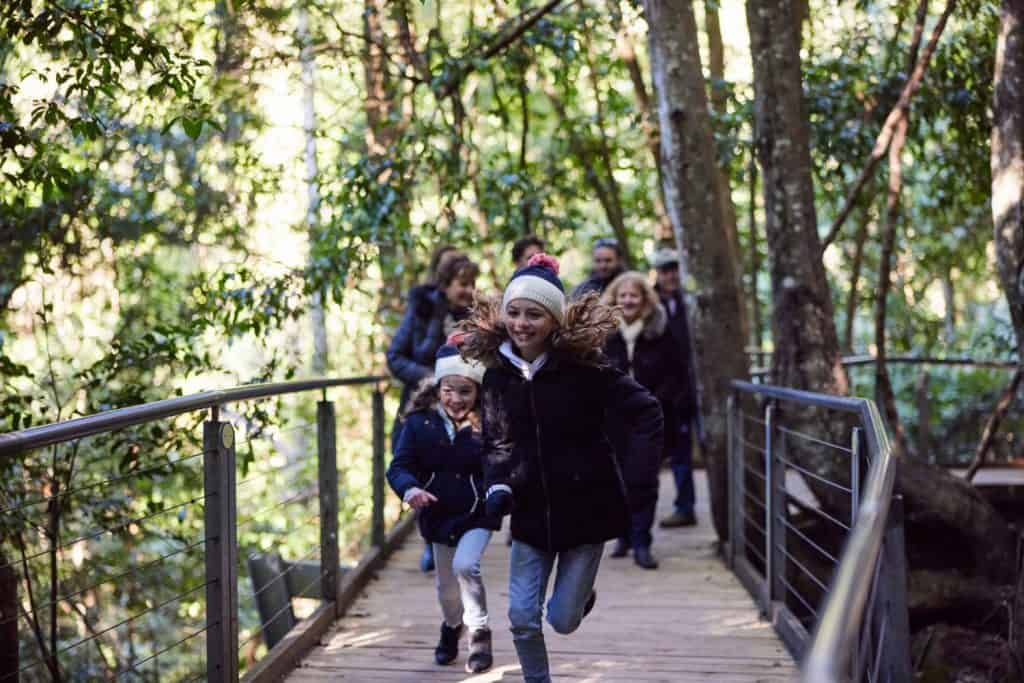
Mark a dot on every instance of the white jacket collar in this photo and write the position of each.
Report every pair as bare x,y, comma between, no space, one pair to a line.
528,369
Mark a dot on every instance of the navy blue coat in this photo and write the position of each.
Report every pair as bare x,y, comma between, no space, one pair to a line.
411,353
548,439
452,470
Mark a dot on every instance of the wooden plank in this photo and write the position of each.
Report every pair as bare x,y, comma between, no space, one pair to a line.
289,650
689,621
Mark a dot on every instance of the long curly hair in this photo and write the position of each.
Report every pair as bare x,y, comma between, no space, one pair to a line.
585,326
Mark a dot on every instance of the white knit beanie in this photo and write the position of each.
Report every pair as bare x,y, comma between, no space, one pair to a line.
449,362
538,282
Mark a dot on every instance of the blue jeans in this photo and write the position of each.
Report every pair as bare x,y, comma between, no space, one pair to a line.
681,460
529,571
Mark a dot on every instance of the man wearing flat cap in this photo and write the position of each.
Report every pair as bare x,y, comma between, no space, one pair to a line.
680,449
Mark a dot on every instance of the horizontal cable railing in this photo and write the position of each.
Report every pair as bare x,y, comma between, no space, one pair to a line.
145,564
816,531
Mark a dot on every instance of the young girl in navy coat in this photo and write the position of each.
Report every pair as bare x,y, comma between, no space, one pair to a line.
438,470
550,401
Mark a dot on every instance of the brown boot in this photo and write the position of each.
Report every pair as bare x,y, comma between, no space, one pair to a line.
480,658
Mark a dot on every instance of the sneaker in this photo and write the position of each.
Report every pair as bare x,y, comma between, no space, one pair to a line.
677,519
621,548
480,658
427,559
448,646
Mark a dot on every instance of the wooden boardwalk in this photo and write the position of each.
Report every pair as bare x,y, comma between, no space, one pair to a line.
689,621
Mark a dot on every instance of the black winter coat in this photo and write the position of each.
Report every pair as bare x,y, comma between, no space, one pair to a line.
548,439
452,470
678,322
659,367
594,284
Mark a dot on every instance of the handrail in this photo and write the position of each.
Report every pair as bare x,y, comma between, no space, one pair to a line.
831,648
858,360
12,443
833,644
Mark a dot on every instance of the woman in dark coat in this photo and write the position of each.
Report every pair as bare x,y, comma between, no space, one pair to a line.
643,347
549,406
431,315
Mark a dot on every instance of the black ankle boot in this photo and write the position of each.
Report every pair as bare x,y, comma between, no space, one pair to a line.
480,658
642,556
448,647
621,548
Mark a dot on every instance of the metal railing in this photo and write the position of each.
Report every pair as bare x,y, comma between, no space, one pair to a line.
816,532
52,525
923,384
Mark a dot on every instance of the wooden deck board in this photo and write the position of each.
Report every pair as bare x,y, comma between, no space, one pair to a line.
689,621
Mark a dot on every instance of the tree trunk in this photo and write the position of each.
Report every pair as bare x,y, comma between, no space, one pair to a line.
627,53
316,304
716,67
1008,162
382,107
803,329
693,202
755,260
853,294
884,396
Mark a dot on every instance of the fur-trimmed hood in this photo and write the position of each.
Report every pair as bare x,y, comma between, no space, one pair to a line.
656,322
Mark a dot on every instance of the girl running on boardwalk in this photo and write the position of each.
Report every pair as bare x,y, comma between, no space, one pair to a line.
645,349
549,400
438,469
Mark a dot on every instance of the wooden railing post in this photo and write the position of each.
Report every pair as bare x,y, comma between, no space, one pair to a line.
770,472
377,532
221,552
327,463
9,650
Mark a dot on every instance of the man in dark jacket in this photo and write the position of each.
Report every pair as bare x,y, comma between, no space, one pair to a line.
606,265
669,288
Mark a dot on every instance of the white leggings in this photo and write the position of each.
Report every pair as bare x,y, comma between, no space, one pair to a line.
460,587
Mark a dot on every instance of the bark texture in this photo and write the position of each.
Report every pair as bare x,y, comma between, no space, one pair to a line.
1008,162
692,201
316,305
807,348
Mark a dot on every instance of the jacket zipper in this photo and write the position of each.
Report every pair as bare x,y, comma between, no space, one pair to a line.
540,466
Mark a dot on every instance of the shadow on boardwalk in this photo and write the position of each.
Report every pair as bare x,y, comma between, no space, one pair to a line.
689,621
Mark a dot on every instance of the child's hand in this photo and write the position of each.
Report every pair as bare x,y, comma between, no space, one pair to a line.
419,499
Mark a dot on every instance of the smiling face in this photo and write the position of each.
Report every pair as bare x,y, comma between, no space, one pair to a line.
460,292
529,325
668,279
630,298
458,396
605,262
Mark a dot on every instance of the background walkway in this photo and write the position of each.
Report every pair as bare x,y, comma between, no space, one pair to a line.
688,622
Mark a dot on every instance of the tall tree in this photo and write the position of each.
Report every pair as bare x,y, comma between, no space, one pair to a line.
317,301
1008,162
693,203
803,329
